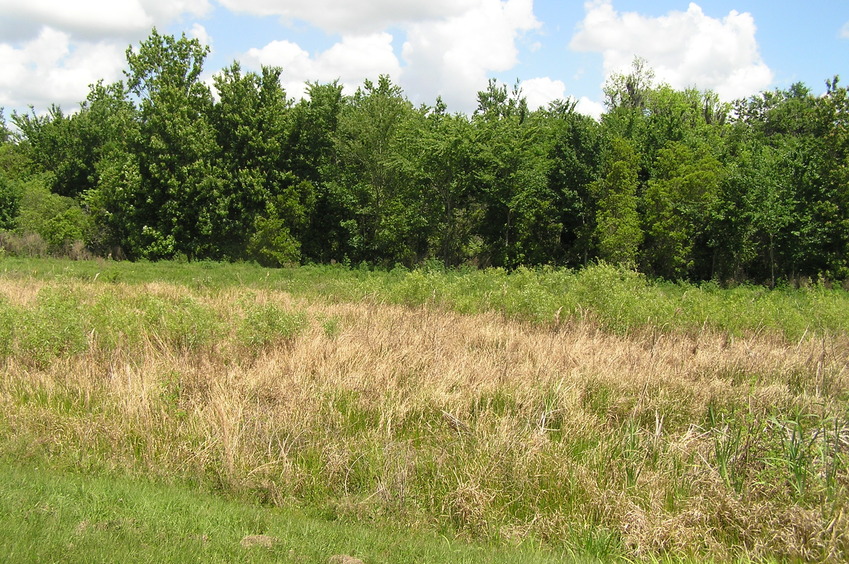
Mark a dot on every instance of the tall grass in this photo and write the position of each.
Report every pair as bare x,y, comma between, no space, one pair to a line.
620,301
536,407
53,516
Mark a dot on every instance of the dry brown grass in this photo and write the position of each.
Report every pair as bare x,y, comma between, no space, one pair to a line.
494,428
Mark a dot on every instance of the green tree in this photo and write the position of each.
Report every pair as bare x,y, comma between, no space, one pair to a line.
177,206
263,206
383,223
652,116
518,223
113,180
60,145
310,151
795,187
678,204
10,203
62,151
832,203
618,231
11,168
626,97
433,153
756,230
575,156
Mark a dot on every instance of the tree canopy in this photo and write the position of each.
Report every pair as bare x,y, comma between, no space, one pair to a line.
674,183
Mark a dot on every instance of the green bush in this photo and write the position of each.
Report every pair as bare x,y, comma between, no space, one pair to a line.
10,203
266,325
184,322
58,220
54,328
272,244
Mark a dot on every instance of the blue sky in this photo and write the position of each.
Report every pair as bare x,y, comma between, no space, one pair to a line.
50,51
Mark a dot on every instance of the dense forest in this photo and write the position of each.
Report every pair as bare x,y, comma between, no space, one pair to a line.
676,184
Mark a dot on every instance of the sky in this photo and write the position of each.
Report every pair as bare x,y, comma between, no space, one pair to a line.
52,50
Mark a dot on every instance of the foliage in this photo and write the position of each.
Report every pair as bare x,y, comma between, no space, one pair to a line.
678,204
675,183
382,223
261,204
58,220
10,203
618,230
575,156
12,168
176,208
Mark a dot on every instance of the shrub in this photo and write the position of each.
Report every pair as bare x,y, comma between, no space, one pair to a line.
58,220
23,244
267,324
10,203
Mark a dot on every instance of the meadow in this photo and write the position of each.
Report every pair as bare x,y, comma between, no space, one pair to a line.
574,415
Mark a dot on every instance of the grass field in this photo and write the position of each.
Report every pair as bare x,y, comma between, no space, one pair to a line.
48,515
572,415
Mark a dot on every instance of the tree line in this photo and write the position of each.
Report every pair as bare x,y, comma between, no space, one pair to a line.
674,183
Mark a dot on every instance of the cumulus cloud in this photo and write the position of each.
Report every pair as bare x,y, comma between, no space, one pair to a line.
353,16
453,57
199,32
351,60
684,48
51,69
50,52
450,47
844,31
92,19
589,107
540,91
164,11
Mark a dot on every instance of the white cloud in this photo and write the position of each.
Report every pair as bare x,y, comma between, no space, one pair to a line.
540,91
590,108
450,49
50,52
361,57
23,20
351,60
684,48
165,11
92,19
199,32
51,69
453,57
353,16
844,31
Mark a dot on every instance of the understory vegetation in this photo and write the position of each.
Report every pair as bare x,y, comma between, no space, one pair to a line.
592,414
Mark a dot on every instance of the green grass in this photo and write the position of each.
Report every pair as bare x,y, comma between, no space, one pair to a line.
593,413
618,300
50,515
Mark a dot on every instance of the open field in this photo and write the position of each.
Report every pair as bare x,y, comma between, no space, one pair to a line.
593,413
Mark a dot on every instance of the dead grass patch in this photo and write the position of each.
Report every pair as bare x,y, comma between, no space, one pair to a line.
499,429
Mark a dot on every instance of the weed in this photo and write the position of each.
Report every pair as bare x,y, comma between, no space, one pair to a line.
730,447
54,328
267,324
331,327
620,427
